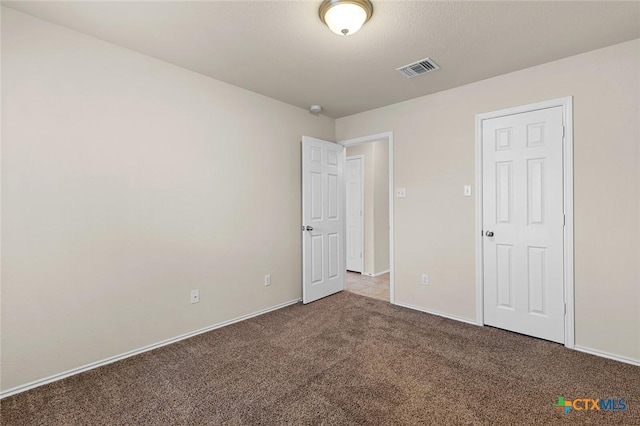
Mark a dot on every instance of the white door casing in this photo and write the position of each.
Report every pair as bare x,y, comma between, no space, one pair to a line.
323,219
523,221
354,208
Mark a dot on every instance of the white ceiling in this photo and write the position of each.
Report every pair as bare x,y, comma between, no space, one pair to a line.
282,50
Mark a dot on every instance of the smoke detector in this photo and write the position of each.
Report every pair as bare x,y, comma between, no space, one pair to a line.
417,68
316,109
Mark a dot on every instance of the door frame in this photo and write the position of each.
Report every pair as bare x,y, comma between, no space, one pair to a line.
567,163
384,137
362,165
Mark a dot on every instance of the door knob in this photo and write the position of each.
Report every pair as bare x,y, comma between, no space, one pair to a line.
489,233
309,228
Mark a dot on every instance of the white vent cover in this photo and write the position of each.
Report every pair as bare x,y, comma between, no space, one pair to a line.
417,68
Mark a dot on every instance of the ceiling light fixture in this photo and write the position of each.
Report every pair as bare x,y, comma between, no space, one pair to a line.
345,17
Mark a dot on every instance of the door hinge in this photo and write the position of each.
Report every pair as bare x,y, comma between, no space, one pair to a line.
565,309
563,131
564,220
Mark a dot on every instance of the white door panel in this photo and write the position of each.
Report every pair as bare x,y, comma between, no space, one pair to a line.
322,218
523,208
353,177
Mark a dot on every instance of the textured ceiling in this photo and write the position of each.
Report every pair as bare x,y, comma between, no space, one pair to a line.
283,50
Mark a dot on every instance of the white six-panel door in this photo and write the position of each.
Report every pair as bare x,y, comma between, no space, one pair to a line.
323,219
354,200
523,220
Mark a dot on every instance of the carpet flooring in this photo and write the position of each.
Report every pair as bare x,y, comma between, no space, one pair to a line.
343,360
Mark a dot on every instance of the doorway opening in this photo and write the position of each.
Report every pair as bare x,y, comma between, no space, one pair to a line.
369,216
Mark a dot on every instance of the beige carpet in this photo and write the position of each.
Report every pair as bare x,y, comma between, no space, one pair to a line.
346,359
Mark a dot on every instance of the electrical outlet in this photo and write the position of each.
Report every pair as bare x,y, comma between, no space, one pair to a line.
267,280
401,192
425,279
195,296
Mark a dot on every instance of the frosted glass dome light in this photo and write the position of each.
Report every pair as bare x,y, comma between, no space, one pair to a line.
345,17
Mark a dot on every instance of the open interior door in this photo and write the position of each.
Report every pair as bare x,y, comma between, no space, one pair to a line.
323,221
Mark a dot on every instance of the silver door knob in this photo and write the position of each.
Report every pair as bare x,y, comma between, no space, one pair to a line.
309,228
489,233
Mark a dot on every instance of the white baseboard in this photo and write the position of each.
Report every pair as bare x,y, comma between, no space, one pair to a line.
603,354
91,366
115,358
579,348
368,274
440,314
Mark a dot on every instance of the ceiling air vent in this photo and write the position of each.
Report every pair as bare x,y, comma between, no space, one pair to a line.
417,68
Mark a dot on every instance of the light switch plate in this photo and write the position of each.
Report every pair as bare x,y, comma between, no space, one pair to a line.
467,190
401,192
